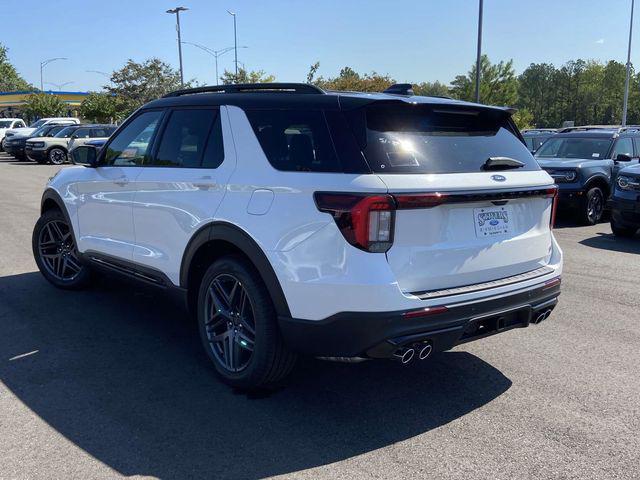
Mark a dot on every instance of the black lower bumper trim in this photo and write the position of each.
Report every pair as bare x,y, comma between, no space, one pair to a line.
379,334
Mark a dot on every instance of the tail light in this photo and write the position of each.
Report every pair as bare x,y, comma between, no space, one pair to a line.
366,221
552,192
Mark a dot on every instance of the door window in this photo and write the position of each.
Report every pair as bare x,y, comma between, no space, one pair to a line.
624,146
130,147
81,133
101,132
188,135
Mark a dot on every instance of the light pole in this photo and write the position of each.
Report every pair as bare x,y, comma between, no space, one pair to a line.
235,39
214,53
626,81
43,64
59,85
479,52
104,74
177,11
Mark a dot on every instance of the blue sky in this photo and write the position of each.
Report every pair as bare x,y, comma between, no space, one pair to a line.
409,40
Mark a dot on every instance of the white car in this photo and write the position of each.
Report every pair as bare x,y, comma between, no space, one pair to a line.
26,131
8,124
293,220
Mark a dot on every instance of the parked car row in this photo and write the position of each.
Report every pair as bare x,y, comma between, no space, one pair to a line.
50,140
595,168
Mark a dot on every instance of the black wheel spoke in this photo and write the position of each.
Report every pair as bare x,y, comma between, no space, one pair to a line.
58,251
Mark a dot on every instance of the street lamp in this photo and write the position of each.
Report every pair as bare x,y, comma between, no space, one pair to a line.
104,74
59,85
235,39
214,53
479,52
177,11
43,64
626,81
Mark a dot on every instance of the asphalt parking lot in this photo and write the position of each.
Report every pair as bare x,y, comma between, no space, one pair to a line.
111,382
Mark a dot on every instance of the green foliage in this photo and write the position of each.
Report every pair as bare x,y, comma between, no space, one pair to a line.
523,118
349,79
10,80
138,83
244,76
432,89
99,108
498,83
43,105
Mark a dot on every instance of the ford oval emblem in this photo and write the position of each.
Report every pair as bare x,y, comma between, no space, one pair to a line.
498,178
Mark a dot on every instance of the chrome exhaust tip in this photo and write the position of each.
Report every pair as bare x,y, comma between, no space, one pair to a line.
424,351
542,316
405,355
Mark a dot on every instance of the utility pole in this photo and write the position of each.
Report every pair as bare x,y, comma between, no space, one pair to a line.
235,40
177,11
626,82
479,53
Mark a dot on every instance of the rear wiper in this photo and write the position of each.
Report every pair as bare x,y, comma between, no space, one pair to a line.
501,163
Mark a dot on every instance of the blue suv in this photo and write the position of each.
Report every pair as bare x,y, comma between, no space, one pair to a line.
584,162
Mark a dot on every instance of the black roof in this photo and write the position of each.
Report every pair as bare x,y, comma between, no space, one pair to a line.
292,95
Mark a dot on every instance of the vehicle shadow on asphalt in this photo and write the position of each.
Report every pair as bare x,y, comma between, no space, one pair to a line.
119,371
608,241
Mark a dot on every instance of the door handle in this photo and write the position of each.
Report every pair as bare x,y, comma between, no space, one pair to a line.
204,182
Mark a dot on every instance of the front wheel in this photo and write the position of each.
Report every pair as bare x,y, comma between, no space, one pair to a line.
593,206
55,252
619,231
57,156
238,326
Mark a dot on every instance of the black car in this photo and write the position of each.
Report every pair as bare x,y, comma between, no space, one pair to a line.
535,137
16,144
584,162
625,202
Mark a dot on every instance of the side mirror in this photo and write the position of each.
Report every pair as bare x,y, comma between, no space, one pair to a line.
86,155
623,157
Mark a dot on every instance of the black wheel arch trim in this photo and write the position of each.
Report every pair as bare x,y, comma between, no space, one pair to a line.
248,246
51,195
597,178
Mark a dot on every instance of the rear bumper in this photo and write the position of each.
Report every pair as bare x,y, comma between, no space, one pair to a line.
380,334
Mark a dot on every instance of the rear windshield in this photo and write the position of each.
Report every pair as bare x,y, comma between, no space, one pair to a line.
436,139
575,147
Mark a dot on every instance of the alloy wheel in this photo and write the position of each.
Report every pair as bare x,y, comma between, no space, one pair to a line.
57,156
229,322
595,206
58,251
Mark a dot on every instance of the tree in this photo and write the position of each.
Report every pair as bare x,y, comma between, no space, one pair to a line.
99,108
10,80
244,76
431,89
313,69
138,83
349,79
498,83
43,105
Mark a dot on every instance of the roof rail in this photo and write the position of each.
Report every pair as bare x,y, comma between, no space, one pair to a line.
588,127
250,88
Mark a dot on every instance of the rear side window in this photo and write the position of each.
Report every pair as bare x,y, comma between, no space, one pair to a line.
436,139
186,138
295,140
101,132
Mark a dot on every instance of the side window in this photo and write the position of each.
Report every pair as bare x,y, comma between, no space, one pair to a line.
185,139
101,132
623,145
295,140
131,146
19,124
81,133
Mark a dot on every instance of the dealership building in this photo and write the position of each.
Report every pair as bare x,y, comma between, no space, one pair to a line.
11,102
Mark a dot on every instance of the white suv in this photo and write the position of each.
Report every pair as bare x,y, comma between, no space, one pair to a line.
293,220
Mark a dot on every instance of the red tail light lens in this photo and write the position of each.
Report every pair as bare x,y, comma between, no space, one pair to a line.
366,221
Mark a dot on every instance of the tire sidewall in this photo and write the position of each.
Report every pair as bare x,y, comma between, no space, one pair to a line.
264,321
590,194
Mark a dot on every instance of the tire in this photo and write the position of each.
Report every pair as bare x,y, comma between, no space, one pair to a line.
625,232
57,156
592,207
245,314
55,252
